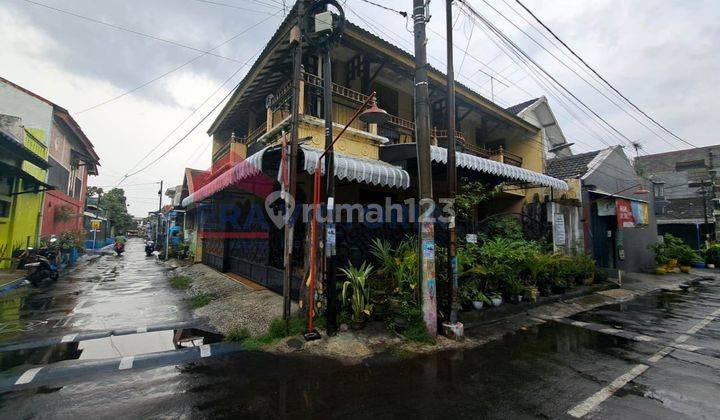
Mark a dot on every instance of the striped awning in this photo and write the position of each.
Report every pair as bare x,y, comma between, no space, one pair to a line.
240,171
476,163
356,169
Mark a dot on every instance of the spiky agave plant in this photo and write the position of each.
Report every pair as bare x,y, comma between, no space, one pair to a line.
357,280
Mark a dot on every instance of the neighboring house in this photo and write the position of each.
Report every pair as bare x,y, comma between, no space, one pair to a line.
606,212
538,113
684,196
372,163
23,165
193,180
70,154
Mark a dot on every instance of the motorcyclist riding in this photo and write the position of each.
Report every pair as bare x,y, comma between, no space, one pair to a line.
119,244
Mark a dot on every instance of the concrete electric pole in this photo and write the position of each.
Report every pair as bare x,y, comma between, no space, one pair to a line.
426,223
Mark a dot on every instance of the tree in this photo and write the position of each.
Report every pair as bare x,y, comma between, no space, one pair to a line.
115,205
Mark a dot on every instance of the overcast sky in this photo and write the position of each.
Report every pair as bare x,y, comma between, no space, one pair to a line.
661,54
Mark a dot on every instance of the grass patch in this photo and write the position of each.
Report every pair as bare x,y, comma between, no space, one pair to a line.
238,335
398,351
276,332
180,282
418,333
198,301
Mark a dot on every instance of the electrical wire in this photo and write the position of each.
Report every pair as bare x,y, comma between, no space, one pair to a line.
167,73
132,31
602,78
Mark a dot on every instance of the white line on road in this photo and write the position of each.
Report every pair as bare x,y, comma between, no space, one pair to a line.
205,350
28,376
126,362
142,329
68,338
596,399
599,397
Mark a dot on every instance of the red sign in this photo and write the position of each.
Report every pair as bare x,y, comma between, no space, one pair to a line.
623,210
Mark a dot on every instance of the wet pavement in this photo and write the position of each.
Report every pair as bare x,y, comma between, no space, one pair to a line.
654,360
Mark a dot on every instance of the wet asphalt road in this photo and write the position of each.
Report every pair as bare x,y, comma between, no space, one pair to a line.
549,371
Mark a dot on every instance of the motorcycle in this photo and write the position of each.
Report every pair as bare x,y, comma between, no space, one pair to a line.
149,248
40,264
119,248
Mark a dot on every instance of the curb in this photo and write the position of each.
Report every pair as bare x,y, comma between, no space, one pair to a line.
68,371
491,317
7,287
75,337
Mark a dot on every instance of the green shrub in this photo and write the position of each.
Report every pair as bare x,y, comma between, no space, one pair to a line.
238,335
180,282
198,301
712,254
673,248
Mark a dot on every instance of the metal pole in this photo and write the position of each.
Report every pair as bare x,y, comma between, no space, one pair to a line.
452,268
330,249
157,228
296,39
422,138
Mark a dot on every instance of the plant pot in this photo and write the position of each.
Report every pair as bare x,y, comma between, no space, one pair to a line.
670,265
711,266
685,268
699,265
477,304
496,301
516,298
357,325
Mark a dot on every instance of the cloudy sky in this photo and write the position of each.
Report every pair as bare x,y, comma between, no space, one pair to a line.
661,54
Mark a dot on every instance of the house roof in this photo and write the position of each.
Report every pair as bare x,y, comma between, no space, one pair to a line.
574,166
64,115
277,54
516,109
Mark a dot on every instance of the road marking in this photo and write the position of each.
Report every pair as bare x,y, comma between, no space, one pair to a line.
126,362
68,338
599,397
28,376
142,329
205,350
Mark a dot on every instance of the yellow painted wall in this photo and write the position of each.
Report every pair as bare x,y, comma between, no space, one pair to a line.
22,227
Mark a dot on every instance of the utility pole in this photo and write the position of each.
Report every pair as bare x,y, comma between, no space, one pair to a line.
453,328
296,41
157,229
426,253
330,249
713,195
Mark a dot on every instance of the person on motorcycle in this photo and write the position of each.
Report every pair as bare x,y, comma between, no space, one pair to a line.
119,244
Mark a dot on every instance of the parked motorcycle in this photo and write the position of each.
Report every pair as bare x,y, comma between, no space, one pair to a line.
149,247
40,264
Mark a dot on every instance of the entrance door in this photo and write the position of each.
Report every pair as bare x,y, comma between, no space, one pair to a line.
604,230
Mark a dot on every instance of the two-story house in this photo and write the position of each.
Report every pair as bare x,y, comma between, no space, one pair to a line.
372,163
682,182
69,153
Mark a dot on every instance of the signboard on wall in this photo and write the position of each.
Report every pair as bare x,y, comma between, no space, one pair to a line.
624,213
559,229
95,224
606,207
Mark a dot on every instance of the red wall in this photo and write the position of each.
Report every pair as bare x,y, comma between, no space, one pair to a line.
54,201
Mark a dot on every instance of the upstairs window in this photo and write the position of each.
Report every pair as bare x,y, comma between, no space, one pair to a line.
689,165
659,190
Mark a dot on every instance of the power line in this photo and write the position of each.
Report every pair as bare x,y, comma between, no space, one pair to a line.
132,31
218,3
602,78
621,108
390,9
127,92
516,48
186,119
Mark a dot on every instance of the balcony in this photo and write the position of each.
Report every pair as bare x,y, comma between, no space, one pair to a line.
346,101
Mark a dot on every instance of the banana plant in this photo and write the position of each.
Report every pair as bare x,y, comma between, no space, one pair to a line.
356,289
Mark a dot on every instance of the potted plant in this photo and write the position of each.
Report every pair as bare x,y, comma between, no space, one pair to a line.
515,290
496,299
356,290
